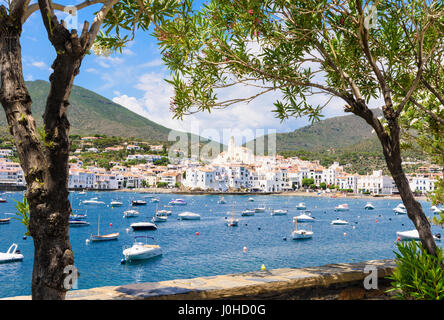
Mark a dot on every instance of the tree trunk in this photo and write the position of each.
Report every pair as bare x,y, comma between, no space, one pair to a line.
45,176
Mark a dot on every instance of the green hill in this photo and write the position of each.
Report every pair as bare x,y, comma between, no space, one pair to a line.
333,133
91,113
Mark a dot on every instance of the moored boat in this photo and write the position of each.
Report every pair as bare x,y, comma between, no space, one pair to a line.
12,255
305,217
143,225
130,213
339,222
279,212
342,207
414,235
248,213
369,206
180,202
301,206
138,202
142,250
188,216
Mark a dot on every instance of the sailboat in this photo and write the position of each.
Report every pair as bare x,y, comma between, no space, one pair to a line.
104,237
232,222
159,216
301,233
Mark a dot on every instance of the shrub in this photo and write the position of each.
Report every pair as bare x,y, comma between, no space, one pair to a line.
418,275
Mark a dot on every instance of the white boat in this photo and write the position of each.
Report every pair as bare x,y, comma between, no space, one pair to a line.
436,210
305,217
2,200
155,200
167,212
250,199
116,203
232,222
400,209
301,206
342,207
159,217
369,206
222,200
188,216
300,234
92,201
413,235
103,237
339,222
130,213
78,223
248,213
12,255
82,192
143,225
279,212
5,220
142,250
259,209
180,202
78,216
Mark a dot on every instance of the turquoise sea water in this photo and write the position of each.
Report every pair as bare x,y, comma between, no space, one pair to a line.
217,249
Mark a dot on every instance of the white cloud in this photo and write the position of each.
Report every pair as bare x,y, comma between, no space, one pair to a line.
40,65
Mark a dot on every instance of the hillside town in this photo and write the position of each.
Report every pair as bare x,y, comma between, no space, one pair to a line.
236,169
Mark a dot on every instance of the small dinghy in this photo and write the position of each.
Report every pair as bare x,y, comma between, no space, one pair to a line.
130,213
5,220
12,255
188,216
279,212
248,213
142,250
369,206
301,206
342,207
305,217
339,222
77,223
138,202
116,203
400,209
144,225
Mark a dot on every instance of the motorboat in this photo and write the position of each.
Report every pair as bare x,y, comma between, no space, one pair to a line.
188,216
142,250
103,237
143,225
155,200
436,210
301,206
138,202
400,209
2,200
279,212
12,255
414,235
222,200
82,192
300,234
79,216
167,212
305,217
116,203
92,201
180,202
5,220
342,207
250,199
259,209
130,213
77,223
339,222
369,206
248,213
159,217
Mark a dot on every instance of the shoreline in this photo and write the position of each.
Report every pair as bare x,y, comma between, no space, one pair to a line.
281,193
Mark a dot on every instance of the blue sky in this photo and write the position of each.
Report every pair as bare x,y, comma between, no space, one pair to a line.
135,79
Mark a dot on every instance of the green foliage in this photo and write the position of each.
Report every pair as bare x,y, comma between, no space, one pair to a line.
306,182
418,274
162,184
23,213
